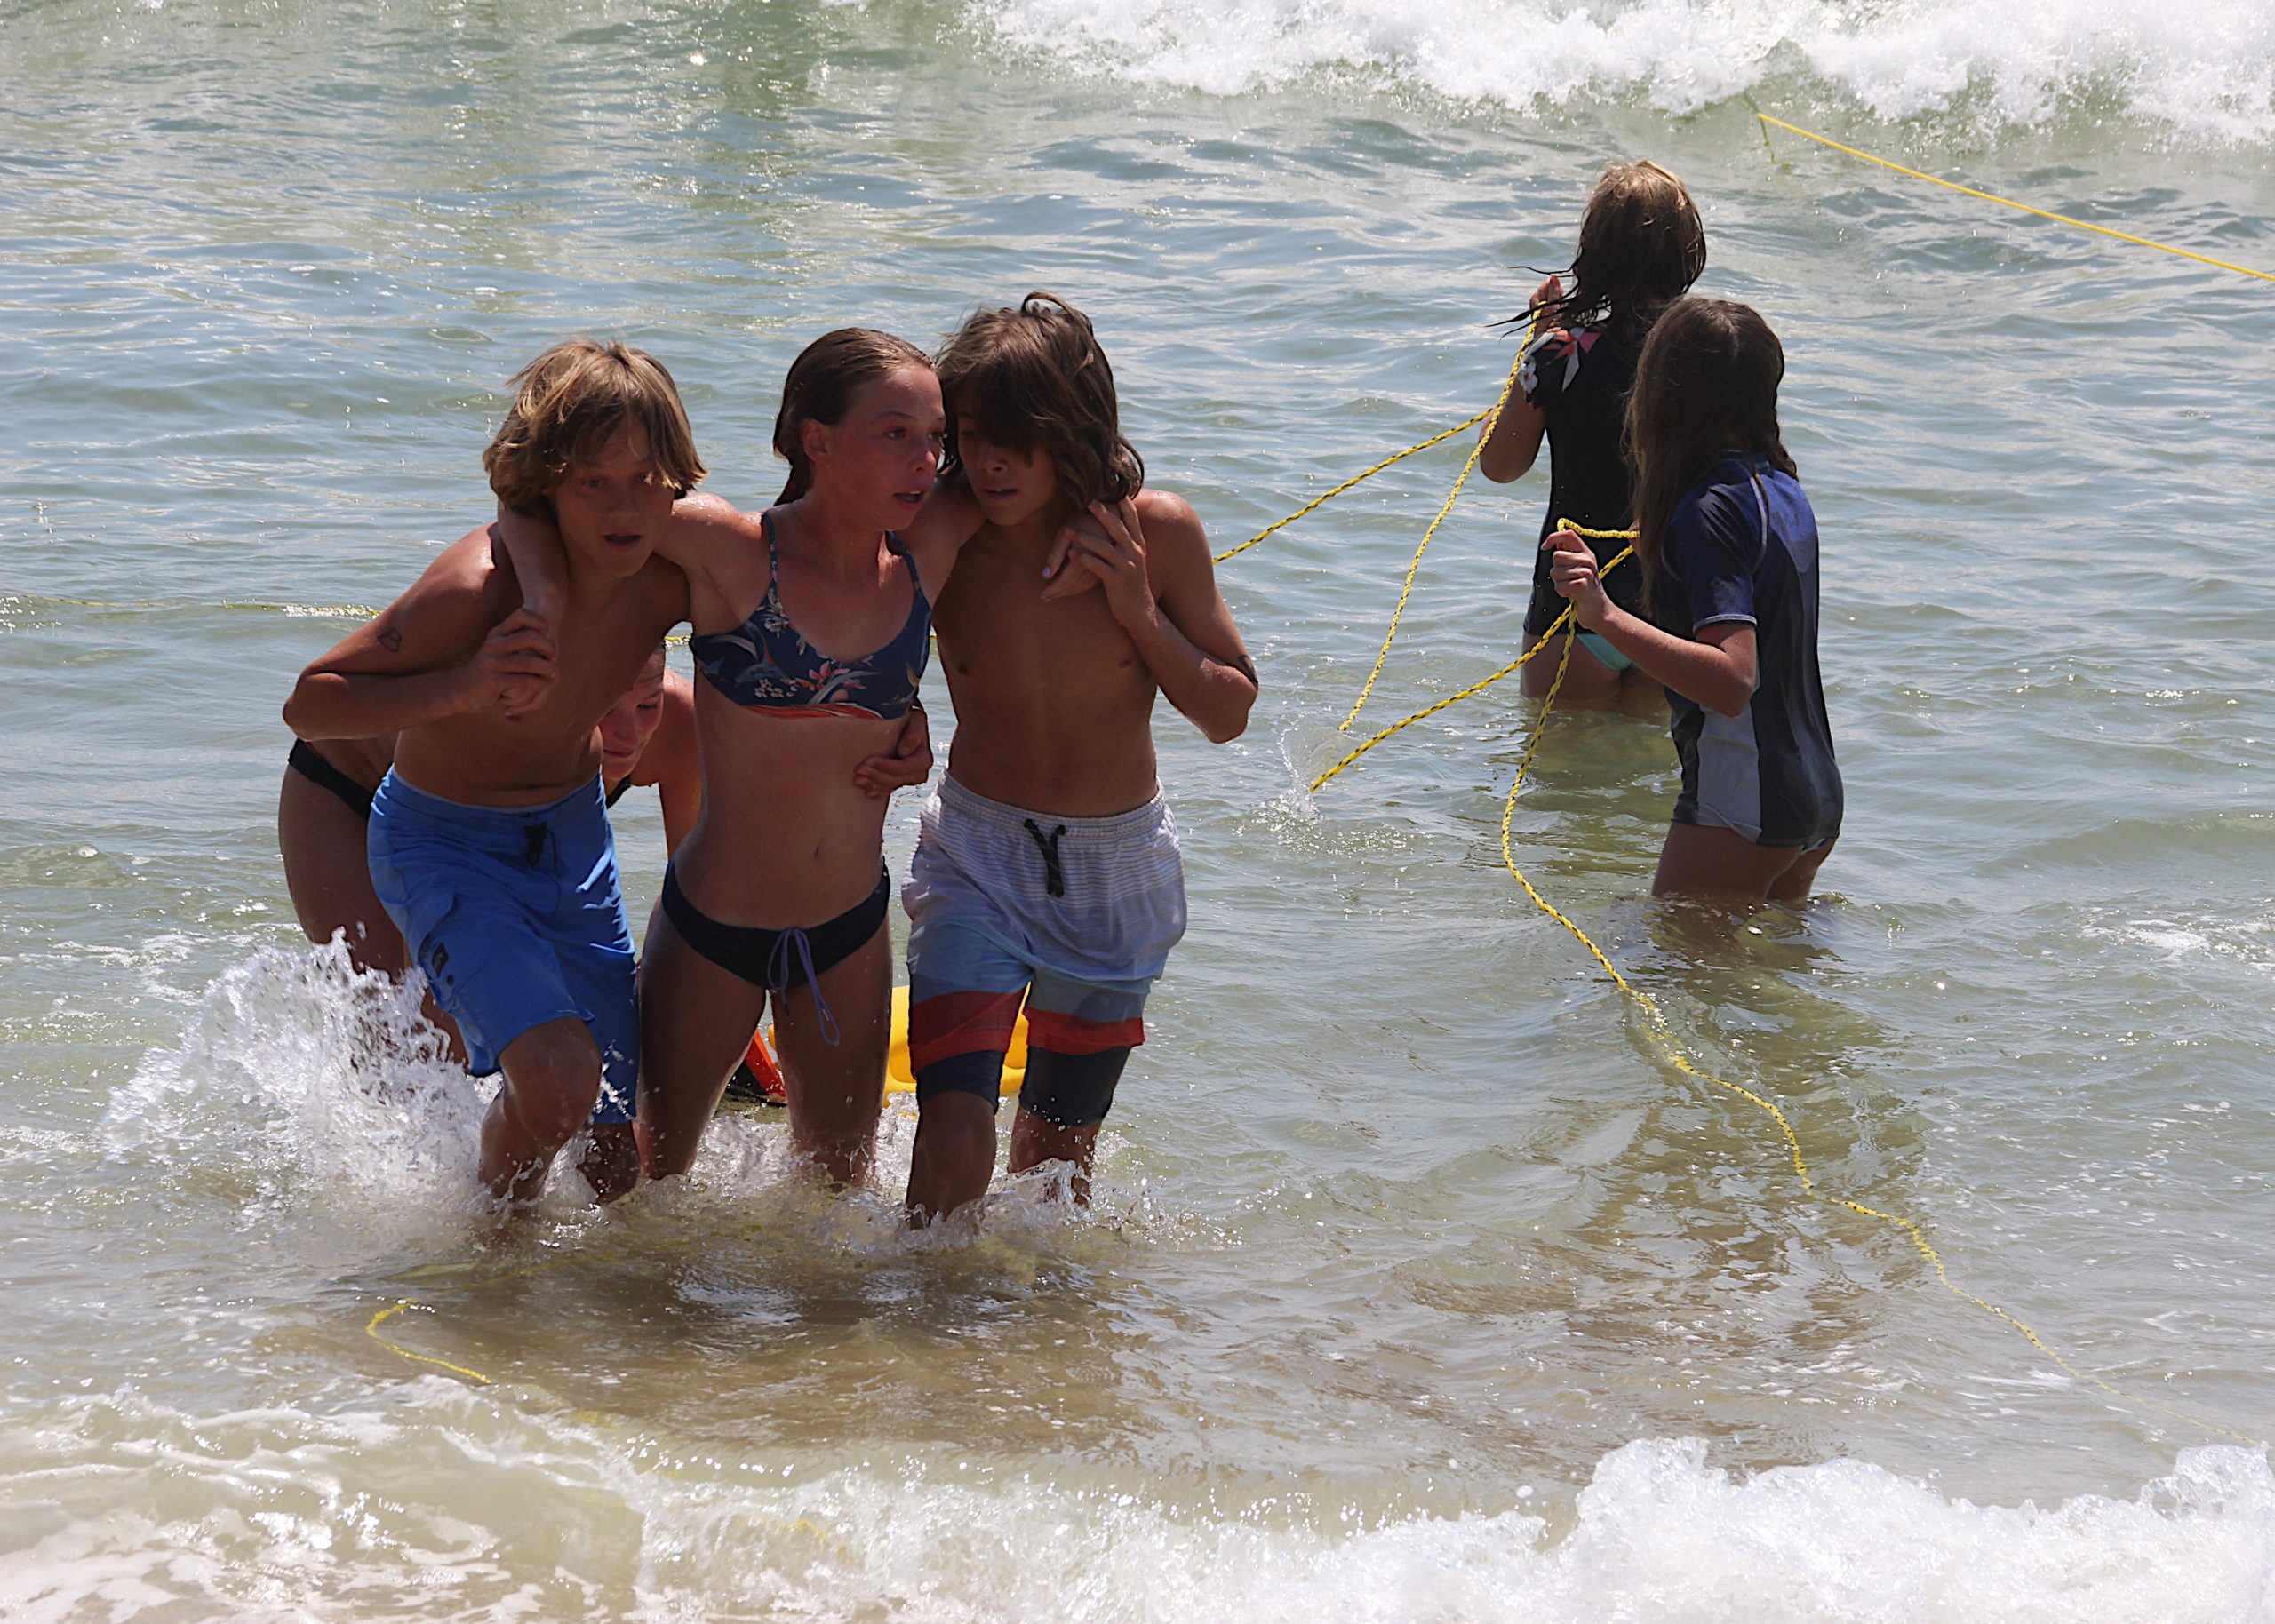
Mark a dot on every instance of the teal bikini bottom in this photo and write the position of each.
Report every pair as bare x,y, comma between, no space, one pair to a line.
1601,647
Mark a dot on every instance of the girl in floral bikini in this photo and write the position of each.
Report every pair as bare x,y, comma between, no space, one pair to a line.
1641,246
812,624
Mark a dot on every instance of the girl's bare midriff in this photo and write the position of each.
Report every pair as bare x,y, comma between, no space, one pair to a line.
786,836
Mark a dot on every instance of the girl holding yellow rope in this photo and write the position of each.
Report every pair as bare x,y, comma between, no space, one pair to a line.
1641,246
1727,549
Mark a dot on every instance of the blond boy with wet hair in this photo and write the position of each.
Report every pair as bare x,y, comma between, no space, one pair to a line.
490,845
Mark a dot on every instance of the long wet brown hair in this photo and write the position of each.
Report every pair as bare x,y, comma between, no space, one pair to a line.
1705,386
821,388
1641,246
1036,379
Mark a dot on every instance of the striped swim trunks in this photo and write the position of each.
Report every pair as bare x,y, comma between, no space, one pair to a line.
1075,916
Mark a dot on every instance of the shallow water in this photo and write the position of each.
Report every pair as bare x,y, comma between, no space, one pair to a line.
1420,1285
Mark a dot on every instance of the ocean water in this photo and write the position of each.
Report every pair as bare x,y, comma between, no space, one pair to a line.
1420,1285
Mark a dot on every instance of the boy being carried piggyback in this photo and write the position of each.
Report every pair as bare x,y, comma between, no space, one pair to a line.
1047,869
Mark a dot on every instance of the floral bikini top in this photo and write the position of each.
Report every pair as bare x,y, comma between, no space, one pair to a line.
765,664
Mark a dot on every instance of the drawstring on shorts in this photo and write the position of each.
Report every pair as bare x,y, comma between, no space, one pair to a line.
1054,876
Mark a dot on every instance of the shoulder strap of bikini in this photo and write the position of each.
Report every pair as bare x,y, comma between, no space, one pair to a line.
773,558
900,549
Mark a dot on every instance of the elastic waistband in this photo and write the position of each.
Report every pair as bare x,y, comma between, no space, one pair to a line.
953,796
677,902
586,800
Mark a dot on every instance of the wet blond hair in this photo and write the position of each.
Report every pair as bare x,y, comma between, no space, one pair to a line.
569,402
1035,379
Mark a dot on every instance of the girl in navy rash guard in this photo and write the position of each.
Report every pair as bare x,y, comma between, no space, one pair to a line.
1728,547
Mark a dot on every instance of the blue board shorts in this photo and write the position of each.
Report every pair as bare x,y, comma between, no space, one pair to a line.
517,917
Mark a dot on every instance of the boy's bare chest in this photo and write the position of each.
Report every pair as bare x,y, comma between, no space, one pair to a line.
598,654
601,653
997,627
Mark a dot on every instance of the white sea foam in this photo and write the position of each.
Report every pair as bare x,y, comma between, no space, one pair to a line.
2211,76
447,1501
444,1504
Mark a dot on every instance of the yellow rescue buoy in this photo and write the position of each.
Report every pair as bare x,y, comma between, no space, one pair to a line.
900,1078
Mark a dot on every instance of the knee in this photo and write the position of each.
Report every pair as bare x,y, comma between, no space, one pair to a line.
955,1130
955,1120
954,1155
554,1081
556,1105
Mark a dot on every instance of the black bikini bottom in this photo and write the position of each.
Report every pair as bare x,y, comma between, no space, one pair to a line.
308,761
777,959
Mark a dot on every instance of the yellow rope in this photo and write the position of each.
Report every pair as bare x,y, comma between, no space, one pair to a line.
1661,1034
1474,689
1354,479
542,1266
1561,623
1663,1038
2047,214
372,1330
1492,421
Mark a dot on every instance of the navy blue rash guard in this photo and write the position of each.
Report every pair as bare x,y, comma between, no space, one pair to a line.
1741,548
1579,381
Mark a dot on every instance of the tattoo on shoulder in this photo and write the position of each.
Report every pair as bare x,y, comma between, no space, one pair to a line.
391,640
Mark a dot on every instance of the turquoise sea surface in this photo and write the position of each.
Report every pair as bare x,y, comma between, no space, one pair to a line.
1419,1285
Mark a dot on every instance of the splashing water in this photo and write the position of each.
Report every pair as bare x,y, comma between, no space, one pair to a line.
358,1509
306,1073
